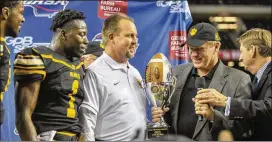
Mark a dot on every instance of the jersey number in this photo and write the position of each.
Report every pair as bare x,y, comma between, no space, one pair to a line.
71,112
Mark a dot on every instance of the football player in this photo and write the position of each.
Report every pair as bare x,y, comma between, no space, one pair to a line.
48,90
11,19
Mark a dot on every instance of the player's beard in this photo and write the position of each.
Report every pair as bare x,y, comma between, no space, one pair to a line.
72,52
11,31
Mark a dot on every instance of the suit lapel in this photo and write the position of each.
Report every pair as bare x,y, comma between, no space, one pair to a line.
181,80
218,82
262,80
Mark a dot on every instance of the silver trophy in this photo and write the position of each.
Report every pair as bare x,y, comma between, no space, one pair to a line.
159,86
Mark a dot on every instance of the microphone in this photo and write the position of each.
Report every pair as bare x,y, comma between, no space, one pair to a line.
200,84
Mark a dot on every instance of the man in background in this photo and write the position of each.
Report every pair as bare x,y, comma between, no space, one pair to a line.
256,51
114,105
94,50
11,19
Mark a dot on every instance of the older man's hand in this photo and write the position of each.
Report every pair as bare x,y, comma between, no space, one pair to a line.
212,97
158,113
205,110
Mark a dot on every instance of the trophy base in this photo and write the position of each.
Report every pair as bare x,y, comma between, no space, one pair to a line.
155,132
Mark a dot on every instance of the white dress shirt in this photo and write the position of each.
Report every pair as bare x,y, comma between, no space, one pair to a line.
114,104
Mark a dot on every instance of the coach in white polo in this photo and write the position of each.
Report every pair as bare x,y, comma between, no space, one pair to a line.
114,104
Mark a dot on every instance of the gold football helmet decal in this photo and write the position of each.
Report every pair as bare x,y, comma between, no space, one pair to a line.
193,31
217,37
102,45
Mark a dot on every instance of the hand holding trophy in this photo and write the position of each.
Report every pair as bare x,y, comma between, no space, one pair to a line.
159,87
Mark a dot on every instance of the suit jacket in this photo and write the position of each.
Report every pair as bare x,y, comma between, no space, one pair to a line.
230,82
259,109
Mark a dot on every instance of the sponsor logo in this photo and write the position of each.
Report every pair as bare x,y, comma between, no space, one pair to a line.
229,55
98,37
20,43
109,7
16,131
116,82
176,7
176,39
43,8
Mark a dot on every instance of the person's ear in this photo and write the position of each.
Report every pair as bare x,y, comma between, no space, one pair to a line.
5,12
111,37
63,35
217,46
253,51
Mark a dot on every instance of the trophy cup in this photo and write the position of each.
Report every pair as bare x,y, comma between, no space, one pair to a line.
159,87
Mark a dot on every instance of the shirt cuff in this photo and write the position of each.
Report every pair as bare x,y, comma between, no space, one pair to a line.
227,110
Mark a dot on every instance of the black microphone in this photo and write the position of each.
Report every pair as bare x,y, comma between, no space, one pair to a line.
200,84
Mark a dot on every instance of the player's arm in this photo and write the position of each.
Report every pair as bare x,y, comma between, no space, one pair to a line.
25,100
29,71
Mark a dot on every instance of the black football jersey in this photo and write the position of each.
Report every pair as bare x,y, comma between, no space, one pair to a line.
61,90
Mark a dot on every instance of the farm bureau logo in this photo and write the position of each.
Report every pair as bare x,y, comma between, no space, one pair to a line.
44,8
20,43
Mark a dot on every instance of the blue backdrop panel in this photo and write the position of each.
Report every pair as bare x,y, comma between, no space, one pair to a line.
161,28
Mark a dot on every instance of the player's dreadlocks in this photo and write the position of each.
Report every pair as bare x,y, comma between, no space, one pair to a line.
64,17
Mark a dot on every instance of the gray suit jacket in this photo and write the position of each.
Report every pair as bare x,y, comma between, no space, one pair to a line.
230,82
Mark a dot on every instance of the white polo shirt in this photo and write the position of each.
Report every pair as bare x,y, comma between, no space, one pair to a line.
114,104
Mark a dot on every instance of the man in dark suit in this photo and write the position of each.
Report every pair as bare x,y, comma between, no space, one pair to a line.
256,55
204,43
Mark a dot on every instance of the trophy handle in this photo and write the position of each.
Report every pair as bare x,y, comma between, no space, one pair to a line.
169,95
174,81
150,95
